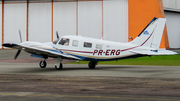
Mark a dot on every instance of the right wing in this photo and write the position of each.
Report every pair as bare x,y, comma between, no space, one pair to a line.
158,52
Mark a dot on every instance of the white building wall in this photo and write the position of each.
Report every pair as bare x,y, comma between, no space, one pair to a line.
90,18
64,18
14,20
172,14
173,28
173,4
0,24
34,1
178,4
40,22
86,18
116,20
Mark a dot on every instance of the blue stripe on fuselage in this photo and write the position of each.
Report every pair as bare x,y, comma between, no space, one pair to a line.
96,59
107,59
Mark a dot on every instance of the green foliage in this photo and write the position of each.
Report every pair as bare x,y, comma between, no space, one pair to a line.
167,60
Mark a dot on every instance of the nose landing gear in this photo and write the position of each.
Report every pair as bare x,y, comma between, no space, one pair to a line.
43,64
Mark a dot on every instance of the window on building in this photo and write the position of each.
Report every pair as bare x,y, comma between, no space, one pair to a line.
87,44
75,43
64,41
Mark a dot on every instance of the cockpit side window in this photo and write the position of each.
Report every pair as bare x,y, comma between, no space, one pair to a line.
64,41
87,44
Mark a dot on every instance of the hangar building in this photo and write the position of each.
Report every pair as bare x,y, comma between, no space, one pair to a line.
116,20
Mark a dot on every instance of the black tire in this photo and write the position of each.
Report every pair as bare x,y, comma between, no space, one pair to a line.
43,64
92,65
60,67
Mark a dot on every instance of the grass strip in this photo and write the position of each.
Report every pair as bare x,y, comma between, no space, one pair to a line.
164,60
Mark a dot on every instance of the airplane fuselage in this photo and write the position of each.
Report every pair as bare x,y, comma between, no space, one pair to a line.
96,49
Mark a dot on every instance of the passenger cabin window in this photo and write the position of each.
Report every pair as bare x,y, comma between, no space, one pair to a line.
75,43
99,46
87,44
64,41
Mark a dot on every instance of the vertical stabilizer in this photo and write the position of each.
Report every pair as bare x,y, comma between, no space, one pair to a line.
152,34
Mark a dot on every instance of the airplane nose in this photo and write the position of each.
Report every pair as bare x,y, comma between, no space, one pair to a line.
10,45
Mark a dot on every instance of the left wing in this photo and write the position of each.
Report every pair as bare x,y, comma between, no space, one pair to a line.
40,49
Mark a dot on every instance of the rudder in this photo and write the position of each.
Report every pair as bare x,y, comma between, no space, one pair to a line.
152,34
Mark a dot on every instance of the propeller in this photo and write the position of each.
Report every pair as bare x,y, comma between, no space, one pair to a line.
17,54
19,51
20,36
57,34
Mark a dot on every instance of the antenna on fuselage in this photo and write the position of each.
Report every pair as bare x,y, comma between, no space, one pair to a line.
20,36
103,37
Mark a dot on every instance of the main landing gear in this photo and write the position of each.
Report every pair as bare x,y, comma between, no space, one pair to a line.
58,64
92,64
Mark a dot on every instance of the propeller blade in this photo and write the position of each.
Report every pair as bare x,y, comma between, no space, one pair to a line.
57,34
20,36
17,54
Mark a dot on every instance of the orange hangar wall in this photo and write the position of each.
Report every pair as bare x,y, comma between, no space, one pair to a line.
141,12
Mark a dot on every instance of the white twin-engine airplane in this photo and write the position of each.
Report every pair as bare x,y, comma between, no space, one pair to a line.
94,50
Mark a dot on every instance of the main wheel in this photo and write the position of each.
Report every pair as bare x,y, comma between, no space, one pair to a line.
60,66
92,64
43,64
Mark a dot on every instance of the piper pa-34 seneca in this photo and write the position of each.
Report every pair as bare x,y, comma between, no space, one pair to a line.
89,49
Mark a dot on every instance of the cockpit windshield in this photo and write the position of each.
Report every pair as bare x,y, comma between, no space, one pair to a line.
55,42
64,41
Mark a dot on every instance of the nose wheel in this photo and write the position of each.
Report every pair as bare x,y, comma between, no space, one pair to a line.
43,64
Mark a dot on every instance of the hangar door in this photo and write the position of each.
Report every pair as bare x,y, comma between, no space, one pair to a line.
40,14
64,18
96,18
115,20
14,20
90,18
173,27
107,18
93,18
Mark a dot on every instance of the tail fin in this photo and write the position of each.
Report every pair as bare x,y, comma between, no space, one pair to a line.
152,34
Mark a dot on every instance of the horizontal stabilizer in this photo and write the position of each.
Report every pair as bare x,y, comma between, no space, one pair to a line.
159,52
